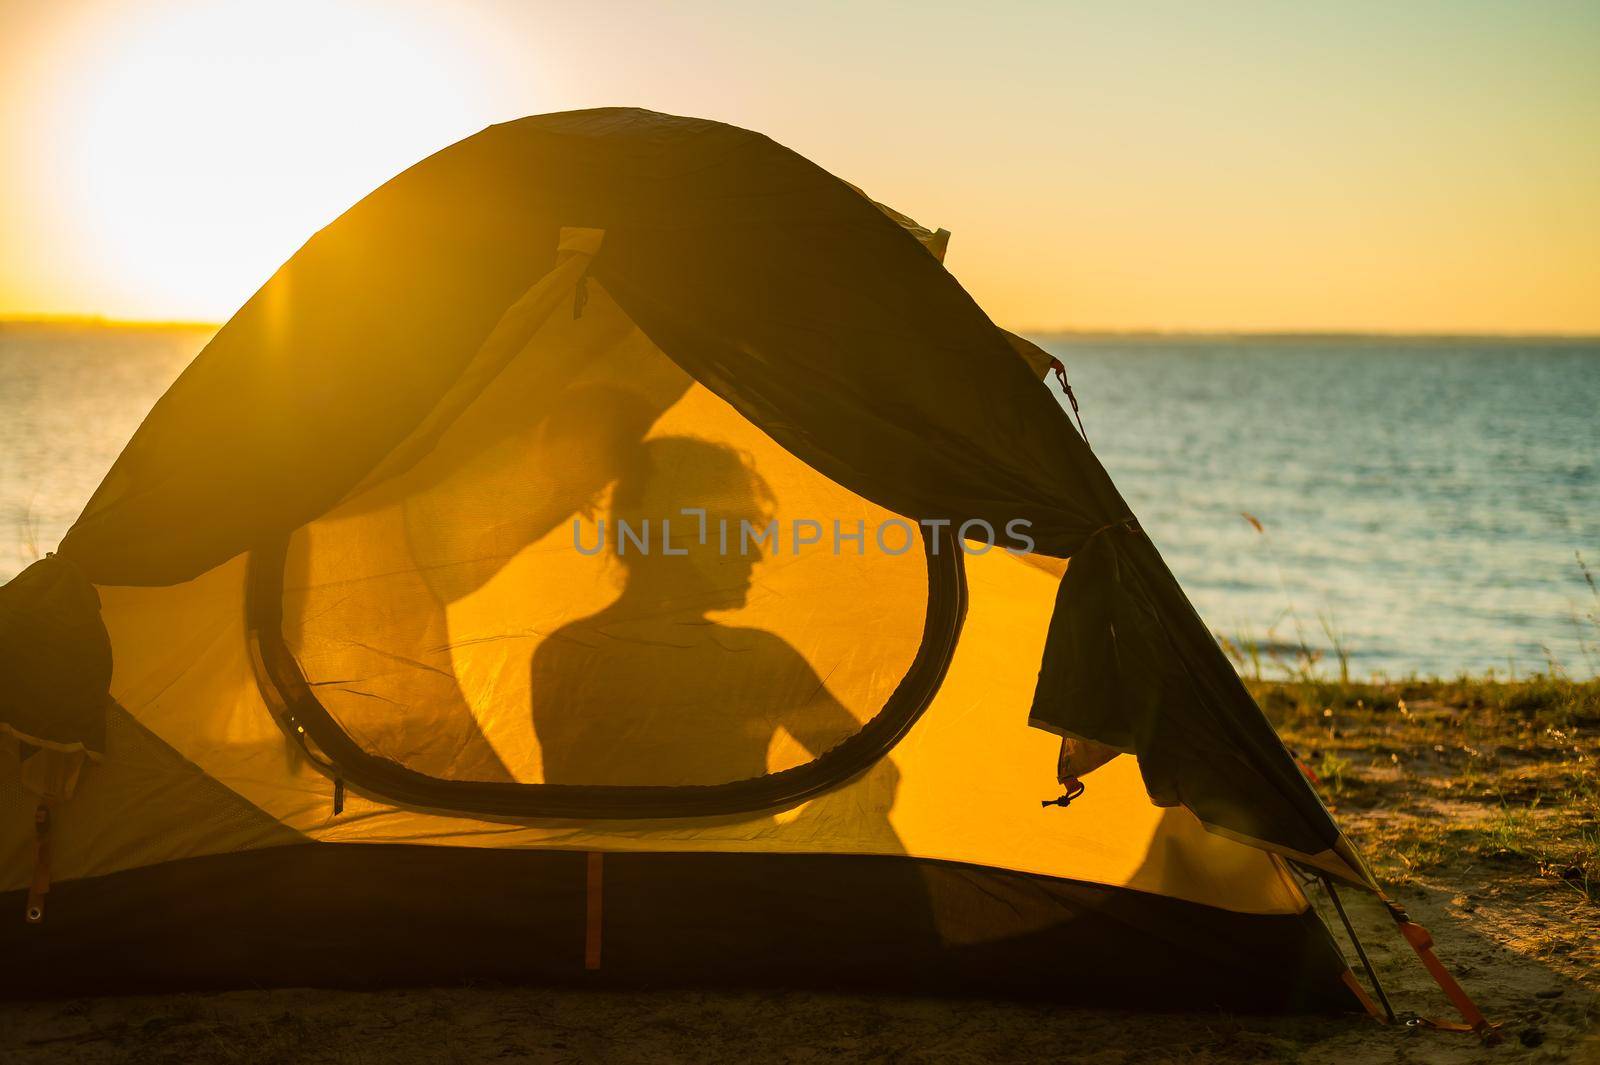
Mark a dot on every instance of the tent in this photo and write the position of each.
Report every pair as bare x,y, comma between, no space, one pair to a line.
617,550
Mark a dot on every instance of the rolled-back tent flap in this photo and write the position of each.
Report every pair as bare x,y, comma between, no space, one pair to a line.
56,658
779,288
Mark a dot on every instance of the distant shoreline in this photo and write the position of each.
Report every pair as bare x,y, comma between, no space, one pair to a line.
76,321
73,321
1309,335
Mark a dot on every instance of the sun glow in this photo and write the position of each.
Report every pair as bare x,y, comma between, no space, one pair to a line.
204,144
1161,165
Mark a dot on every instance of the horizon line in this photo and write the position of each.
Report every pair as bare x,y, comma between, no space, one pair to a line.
1310,334
1052,332
107,321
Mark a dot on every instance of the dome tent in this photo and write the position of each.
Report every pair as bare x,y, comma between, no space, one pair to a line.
578,556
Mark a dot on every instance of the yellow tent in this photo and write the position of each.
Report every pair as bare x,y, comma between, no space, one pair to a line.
616,549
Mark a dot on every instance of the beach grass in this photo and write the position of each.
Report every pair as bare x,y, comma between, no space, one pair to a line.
1434,773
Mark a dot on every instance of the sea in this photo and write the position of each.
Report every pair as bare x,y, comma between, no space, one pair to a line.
1366,506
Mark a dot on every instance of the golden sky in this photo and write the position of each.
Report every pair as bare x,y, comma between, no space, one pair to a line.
1405,166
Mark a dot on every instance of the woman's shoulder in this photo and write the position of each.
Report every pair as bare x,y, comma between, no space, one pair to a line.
765,646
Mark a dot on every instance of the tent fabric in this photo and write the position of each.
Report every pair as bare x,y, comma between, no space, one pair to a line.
880,924
364,577
958,788
767,280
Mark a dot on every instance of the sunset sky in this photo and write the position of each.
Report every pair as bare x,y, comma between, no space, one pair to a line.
1410,166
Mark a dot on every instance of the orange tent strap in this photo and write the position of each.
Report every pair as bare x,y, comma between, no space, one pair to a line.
39,886
591,937
1421,941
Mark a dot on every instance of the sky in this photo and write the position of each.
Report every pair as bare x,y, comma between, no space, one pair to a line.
1398,166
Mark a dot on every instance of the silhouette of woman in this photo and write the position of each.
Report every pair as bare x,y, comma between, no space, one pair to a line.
651,690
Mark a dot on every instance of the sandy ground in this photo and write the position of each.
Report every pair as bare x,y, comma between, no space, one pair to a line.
1526,952
1485,832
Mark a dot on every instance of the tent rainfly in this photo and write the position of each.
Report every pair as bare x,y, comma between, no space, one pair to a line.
617,550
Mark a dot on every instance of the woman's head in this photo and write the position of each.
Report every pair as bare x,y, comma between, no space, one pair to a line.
671,554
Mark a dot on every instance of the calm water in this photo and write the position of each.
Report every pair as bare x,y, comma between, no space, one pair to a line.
1420,499
69,400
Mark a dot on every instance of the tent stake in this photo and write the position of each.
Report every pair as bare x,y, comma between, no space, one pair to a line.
1360,950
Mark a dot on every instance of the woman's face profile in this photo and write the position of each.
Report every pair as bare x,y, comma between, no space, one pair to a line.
708,563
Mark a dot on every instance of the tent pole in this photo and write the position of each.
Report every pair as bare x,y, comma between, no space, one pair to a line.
1360,950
